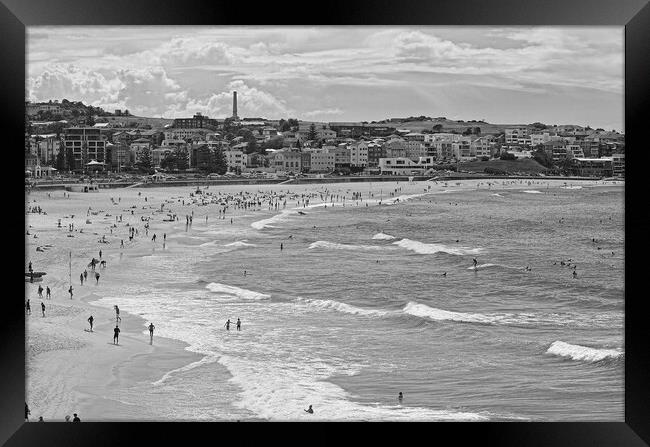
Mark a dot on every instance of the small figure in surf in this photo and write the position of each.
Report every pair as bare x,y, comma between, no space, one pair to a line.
238,324
90,320
309,410
151,328
475,262
227,325
400,396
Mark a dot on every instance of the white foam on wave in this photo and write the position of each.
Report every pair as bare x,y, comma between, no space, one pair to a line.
239,244
402,198
266,223
533,191
432,313
337,246
497,195
383,237
582,353
237,292
571,187
429,249
481,266
341,307
206,360
277,393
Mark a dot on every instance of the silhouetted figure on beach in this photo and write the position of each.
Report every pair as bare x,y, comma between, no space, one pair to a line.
475,262
281,246
151,328
27,412
238,324
76,418
309,410
48,292
227,325
40,291
81,278
43,308
116,335
90,320
70,292
97,277
400,396
28,307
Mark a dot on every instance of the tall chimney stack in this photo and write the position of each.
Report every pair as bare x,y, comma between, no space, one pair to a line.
234,104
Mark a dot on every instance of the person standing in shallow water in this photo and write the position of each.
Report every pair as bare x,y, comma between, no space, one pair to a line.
151,328
227,325
116,335
238,324
90,320
400,396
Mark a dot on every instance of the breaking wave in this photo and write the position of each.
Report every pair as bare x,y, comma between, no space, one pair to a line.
336,246
342,307
237,292
583,353
383,237
429,249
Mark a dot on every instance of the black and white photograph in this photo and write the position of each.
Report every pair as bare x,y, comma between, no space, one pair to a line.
325,223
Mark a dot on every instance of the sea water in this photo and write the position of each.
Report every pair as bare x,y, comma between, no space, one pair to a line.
365,302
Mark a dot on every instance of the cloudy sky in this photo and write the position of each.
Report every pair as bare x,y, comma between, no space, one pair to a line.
556,75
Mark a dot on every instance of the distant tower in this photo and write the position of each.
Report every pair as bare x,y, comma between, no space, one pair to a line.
234,105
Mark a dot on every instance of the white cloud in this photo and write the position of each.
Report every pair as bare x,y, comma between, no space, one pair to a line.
313,113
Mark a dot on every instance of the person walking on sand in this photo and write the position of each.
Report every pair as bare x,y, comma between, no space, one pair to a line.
154,237
309,410
48,293
85,274
43,308
40,291
151,328
100,253
97,277
227,325
81,278
238,324
90,320
70,292
27,412
116,335
117,315
28,307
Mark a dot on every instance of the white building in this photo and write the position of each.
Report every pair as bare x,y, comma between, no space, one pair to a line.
358,154
235,159
514,135
405,166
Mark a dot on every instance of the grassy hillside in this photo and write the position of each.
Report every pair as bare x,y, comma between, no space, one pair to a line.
450,125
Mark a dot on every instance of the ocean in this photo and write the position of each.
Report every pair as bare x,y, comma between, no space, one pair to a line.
364,302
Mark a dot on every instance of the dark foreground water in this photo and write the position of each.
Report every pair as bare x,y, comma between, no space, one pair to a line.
356,308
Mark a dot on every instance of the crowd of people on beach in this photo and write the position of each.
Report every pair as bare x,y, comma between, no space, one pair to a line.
226,204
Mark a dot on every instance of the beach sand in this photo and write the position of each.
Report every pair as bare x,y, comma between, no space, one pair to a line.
71,370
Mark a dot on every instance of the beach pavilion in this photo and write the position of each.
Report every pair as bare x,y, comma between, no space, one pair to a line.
94,165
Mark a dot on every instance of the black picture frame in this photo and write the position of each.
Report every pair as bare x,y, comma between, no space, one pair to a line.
15,15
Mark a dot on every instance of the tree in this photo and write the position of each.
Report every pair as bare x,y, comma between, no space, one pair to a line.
541,157
144,160
507,156
437,128
60,160
312,134
218,162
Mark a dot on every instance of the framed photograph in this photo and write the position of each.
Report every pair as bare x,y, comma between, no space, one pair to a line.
412,212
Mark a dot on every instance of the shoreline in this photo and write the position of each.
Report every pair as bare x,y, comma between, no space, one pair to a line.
106,368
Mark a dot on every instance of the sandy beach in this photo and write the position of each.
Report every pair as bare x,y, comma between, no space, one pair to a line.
72,370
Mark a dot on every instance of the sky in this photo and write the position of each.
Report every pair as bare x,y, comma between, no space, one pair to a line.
503,75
